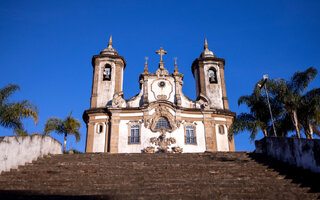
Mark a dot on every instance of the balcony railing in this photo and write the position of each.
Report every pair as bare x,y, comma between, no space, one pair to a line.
133,140
191,140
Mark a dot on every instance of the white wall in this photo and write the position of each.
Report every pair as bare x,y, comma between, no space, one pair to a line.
146,134
18,150
105,88
214,91
222,139
300,152
154,89
99,138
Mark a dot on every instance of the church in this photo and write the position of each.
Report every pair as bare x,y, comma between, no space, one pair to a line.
160,118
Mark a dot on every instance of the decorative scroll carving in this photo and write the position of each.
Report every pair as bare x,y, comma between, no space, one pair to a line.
149,150
162,144
162,97
177,149
204,101
161,111
162,72
118,101
162,92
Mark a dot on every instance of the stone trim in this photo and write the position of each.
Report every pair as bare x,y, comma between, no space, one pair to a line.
108,56
162,111
199,60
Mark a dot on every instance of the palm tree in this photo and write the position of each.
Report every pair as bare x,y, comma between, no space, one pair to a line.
259,117
290,93
309,112
20,132
11,114
68,126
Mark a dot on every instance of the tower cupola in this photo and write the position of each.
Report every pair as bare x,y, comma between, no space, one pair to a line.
206,52
109,50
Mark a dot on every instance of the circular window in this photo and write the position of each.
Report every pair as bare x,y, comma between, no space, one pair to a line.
162,84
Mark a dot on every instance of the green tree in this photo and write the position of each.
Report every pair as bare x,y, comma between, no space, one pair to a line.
20,132
68,126
309,112
12,113
290,94
259,116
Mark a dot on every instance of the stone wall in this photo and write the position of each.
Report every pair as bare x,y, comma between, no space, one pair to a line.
18,150
300,152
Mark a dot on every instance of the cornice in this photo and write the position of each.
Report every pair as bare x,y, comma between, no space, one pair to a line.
109,56
199,60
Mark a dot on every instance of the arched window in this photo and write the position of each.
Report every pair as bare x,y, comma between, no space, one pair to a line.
107,73
190,135
134,137
163,123
221,129
213,75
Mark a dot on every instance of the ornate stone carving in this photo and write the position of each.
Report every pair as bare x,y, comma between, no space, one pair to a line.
204,101
148,150
162,111
162,97
162,72
162,92
177,149
163,144
118,101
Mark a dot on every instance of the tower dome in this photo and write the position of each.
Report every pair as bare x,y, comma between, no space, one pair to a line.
207,53
109,50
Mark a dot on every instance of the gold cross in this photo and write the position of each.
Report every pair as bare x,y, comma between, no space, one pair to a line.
161,52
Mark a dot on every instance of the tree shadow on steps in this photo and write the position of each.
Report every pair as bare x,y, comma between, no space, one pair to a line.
298,175
31,195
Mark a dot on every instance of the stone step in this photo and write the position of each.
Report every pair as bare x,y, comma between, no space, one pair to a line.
219,175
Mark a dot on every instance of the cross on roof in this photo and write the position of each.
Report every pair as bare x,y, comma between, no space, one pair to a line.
161,52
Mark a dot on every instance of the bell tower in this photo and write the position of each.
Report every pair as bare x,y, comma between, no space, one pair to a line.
208,71
108,69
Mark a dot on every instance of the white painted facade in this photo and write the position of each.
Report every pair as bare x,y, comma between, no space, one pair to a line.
178,134
160,98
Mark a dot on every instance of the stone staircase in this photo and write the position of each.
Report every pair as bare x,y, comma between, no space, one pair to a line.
230,175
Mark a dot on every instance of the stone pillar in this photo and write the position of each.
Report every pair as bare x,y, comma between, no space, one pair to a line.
202,80
210,133
114,137
90,136
231,140
178,85
118,76
224,91
145,91
106,135
94,94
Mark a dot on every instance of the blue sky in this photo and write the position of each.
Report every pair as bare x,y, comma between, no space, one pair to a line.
47,46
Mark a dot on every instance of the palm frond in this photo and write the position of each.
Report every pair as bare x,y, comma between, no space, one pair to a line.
8,119
300,80
6,91
53,125
20,132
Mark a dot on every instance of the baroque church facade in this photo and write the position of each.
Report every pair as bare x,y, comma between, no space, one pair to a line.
160,118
